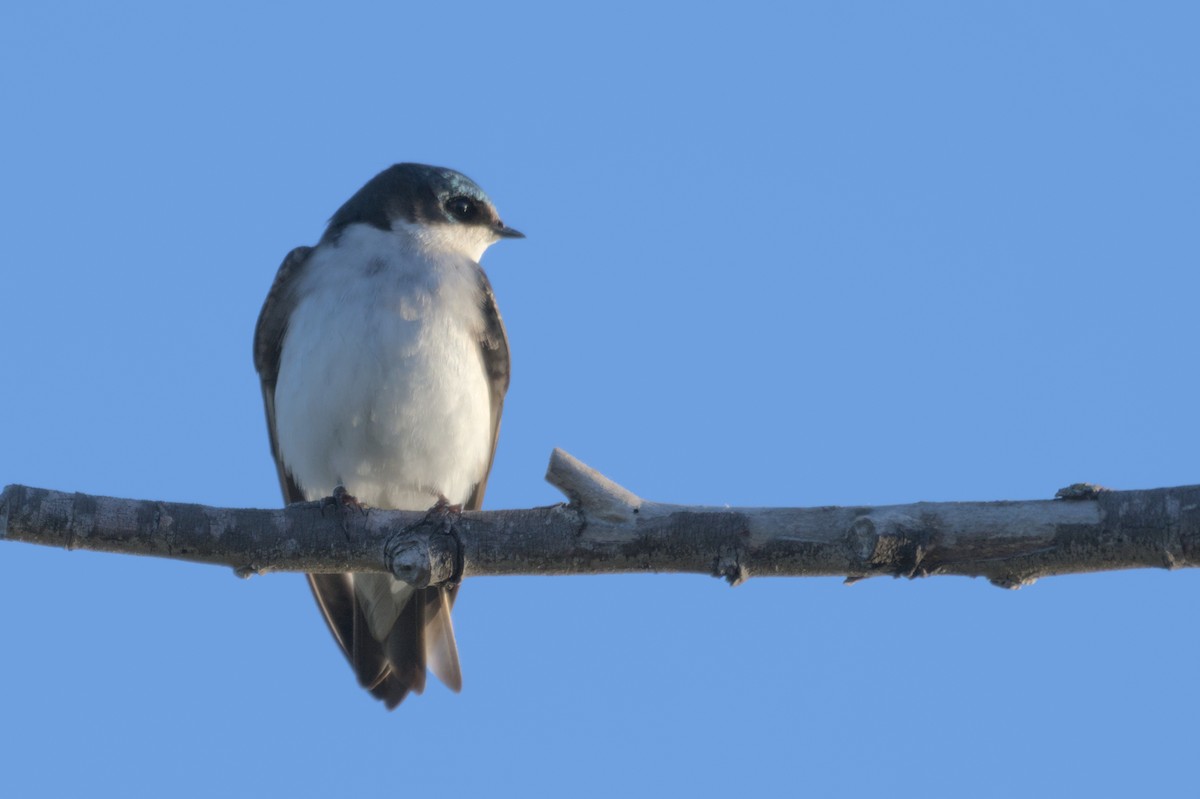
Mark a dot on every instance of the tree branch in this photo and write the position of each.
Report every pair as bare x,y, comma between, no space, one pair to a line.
608,529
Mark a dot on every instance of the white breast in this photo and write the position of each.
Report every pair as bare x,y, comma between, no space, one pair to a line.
382,386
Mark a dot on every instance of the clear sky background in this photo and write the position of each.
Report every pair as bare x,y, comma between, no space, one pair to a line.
787,254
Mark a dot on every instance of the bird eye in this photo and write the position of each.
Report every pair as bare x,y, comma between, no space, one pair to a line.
462,208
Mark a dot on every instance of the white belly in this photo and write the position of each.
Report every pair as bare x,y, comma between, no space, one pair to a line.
382,386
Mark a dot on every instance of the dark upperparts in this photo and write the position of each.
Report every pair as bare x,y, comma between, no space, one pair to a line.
414,193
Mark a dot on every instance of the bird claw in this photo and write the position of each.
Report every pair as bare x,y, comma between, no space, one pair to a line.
342,500
443,507
443,516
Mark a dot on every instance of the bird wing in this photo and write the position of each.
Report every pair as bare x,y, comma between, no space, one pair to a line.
268,344
493,344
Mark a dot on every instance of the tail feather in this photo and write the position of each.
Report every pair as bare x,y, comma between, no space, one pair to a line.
439,637
389,632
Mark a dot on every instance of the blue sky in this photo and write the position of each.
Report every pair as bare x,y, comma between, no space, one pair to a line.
778,254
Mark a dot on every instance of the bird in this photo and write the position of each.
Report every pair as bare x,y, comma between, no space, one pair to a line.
384,363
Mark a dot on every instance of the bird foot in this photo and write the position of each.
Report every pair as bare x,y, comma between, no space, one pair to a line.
443,517
342,499
344,502
443,507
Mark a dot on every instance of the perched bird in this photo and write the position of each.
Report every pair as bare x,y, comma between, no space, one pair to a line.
384,365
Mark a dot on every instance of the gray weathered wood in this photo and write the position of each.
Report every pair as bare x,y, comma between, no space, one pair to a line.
607,529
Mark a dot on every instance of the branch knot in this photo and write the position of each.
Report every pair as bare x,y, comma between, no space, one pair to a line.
427,553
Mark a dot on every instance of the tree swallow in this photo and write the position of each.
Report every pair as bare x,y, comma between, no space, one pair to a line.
384,365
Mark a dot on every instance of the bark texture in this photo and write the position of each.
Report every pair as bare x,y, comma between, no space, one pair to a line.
607,529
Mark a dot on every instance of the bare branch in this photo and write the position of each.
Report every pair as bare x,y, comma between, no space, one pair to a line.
607,529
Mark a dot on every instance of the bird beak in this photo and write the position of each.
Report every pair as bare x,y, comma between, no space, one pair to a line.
505,232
